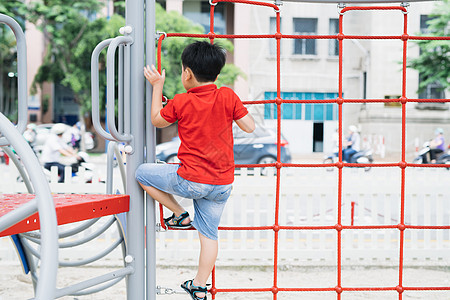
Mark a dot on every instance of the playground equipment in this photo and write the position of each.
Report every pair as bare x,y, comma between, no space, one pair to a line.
139,267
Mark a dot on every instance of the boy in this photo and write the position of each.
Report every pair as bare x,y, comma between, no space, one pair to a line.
205,115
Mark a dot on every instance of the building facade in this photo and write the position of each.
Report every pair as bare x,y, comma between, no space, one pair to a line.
309,70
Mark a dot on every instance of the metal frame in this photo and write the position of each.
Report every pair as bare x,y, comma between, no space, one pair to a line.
43,202
131,130
134,130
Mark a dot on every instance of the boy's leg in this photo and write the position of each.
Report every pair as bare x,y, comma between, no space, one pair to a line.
166,200
207,260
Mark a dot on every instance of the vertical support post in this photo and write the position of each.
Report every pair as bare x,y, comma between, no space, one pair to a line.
135,227
150,146
353,213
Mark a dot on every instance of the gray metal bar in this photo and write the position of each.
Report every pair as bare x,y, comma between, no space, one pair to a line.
78,229
20,168
121,165
91,236
77,263
21,75
120,90
92,258
19,214
81,241
110,88
114,150
126,92
95,90
47,216
64,234
109,167
135,216
98,289
93,282
150,155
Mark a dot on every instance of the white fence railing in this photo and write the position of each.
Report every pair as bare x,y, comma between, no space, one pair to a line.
308,197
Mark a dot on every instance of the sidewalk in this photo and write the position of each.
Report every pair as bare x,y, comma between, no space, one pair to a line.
14,285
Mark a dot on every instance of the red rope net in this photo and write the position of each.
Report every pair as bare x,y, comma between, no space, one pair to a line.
339,227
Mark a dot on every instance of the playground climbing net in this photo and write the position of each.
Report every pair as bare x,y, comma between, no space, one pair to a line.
339,227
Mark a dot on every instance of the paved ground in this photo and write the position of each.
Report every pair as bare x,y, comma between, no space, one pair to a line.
15,285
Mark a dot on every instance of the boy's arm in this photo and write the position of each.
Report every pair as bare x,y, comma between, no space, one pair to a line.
246,123
157,81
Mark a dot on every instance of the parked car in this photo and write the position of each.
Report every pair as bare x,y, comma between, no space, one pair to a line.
43,131
258,147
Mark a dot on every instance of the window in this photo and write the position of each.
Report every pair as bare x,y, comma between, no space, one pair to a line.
199,12
423,24
302,111
333,46
273,30
305,26
433,90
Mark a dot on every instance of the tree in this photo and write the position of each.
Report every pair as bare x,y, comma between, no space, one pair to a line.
72,31
8,57
433,64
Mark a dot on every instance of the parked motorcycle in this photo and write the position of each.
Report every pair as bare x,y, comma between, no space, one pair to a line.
360,157
442,158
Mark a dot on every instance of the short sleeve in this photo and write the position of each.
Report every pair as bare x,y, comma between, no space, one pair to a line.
239,109
169,113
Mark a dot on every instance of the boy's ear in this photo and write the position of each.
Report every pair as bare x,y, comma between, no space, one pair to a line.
189,73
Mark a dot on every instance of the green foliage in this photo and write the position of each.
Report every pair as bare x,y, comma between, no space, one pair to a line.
72,36
16,9
433,63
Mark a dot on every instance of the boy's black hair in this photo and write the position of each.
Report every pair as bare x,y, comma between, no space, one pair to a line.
206,60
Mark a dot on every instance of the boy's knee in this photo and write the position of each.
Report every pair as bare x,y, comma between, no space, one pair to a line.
139,172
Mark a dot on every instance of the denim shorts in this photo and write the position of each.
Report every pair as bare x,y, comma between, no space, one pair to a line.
209,200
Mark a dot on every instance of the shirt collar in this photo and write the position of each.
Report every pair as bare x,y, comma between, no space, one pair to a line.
203,88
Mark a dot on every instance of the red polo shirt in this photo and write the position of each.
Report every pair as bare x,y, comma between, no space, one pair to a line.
205,115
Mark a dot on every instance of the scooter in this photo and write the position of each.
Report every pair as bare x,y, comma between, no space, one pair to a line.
75,164
360,157
421,158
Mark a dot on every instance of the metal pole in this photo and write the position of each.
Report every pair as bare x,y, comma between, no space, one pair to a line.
135,227
22,114
49,235
150,146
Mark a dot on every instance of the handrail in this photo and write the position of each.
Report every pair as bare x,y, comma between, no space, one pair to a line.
47,216
110,87
95,90
21,73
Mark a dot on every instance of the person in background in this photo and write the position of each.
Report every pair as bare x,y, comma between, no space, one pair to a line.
437,145
30,134
352,144
54,147
73,134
